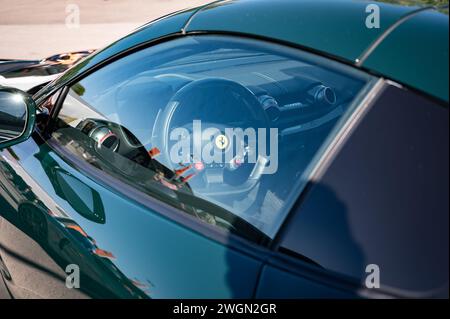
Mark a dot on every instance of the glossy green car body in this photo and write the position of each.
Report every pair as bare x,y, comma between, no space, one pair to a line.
143,249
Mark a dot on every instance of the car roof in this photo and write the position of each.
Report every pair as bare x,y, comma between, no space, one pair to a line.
413,50
410,45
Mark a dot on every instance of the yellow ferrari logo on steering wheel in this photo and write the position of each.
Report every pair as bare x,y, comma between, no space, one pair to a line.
221,141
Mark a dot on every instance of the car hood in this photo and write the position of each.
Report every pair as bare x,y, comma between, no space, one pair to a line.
26,83
27,74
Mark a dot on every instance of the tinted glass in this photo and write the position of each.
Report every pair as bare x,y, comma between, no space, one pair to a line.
384,199
222,128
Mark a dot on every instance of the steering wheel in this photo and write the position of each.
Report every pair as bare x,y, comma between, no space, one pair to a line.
196,100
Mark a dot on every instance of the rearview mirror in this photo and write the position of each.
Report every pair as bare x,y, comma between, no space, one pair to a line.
17,116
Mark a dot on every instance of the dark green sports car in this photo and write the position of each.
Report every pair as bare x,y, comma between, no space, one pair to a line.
243,149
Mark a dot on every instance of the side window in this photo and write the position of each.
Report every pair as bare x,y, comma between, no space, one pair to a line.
222,128
384,199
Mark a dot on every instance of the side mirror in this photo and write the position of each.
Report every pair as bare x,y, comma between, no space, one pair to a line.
17,116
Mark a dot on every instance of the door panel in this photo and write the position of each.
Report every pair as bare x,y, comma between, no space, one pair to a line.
53,216
278,283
